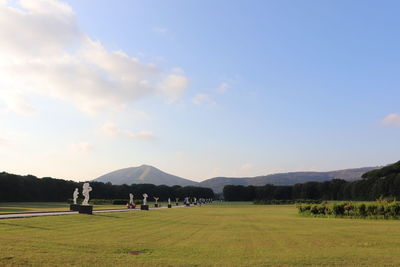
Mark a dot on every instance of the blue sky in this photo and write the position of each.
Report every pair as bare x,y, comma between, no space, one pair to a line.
198,88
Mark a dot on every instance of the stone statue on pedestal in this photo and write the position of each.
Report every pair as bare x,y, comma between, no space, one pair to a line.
131,198
145,196
85,192
75,195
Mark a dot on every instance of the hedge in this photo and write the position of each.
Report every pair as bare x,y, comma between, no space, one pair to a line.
378,209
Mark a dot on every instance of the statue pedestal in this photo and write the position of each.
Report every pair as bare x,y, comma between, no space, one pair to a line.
169,206
74,207
144,207
187,204
85,209
155,205
177,203
195,203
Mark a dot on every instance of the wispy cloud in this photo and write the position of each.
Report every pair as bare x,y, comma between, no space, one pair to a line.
81,146
391,120
174,86
222,88
160,30
140,115
16,102
59,60
111,129
203,99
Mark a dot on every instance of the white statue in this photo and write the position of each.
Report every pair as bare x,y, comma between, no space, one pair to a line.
169,201
145,196
131,198
195,200
75,195
85,192
156,199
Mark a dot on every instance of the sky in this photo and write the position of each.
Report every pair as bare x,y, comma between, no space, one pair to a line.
198,89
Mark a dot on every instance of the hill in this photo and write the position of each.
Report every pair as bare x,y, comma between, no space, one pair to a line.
144,174
391,171
291,178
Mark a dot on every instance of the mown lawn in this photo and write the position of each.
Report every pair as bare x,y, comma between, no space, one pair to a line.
21,207
213,235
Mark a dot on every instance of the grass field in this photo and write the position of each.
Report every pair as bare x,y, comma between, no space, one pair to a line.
212,235
21,207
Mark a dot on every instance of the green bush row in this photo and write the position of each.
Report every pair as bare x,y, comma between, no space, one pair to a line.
377,209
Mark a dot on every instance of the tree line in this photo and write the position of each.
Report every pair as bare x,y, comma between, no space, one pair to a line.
384,182
30,188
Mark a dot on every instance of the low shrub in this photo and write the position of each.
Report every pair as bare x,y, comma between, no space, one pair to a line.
377,209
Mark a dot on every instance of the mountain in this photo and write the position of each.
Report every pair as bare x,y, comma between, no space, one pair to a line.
144,174
291,178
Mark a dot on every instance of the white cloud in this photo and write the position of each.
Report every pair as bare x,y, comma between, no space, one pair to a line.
16,102
140,115
222,88
201,99
44,52
111,129
173,86
391,120
81,147
177,70
146,135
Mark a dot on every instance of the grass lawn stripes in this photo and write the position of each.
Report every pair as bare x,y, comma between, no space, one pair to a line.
211,235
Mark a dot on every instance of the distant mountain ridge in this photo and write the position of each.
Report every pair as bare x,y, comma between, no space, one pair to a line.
144,174
151,175
290,178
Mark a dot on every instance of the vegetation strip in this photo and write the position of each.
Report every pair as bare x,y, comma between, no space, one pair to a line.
381,209
374,184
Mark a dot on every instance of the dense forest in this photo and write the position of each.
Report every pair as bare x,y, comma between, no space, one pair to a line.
384,182
30,188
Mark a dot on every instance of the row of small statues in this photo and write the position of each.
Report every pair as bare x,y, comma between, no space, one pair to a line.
86,189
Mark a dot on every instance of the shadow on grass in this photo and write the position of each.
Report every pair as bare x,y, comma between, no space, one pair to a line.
8,210
134,252
104,215
24,226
